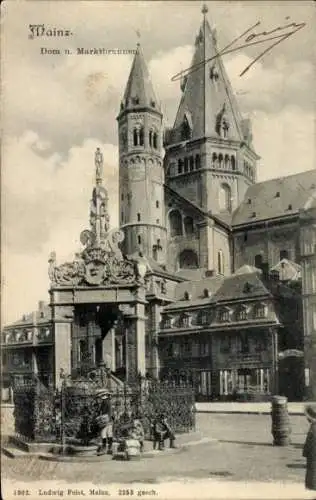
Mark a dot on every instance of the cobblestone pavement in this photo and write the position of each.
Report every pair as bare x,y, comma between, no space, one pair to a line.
242,451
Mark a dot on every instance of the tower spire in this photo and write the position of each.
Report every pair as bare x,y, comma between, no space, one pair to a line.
139,92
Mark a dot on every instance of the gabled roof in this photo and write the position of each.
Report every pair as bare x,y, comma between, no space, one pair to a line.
275,198
139,92
207,93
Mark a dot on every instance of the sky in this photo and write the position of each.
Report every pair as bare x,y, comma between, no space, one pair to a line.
57,108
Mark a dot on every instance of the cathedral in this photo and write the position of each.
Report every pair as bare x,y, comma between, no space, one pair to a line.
229,283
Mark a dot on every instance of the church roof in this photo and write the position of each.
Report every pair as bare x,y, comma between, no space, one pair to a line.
275,198
207,94
139,92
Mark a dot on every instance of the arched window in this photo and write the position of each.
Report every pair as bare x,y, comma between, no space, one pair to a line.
155,140
150,137
233,162
220,160
141,137
188,225
135,137
226,161
225,198
220,262
188,260
197,162
258,261
175,221
284,254
214,160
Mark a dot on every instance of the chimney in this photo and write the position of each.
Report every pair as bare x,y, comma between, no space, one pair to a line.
41,305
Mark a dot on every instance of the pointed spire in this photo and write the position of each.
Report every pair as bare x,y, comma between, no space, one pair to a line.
207,90
139,91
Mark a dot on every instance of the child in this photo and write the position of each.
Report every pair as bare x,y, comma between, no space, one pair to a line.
309,450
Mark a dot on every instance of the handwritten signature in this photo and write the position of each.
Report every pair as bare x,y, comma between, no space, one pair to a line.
251,39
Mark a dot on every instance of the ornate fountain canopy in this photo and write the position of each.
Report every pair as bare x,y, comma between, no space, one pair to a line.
101,262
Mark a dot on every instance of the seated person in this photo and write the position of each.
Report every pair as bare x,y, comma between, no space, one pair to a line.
138,432
161,431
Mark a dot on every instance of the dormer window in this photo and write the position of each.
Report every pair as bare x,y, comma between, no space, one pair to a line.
186,127
135,100
223,315
241,314
260,311
222,123
249,201
214,73
204,318
253,214
185,320
153,104
277,194
206,293
167,323
290,207
247,287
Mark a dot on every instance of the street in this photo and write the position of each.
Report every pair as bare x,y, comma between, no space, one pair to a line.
241,451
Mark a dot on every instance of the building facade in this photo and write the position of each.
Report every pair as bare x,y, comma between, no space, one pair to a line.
220,302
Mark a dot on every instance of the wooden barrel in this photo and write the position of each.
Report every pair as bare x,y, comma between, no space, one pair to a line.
281,428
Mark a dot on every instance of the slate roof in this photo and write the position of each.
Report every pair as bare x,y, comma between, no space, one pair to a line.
139,86
195,290
275,198
205,95
241,286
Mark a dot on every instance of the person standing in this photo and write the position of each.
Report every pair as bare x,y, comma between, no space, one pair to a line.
309,450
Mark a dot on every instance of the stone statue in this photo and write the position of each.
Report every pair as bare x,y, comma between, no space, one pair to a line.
98,159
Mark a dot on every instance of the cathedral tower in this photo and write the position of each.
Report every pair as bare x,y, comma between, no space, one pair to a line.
141,174
209,155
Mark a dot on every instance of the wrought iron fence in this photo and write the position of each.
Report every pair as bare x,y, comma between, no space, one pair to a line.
69,414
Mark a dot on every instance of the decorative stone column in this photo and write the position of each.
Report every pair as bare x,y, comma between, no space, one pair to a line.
135,338
62,324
